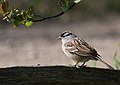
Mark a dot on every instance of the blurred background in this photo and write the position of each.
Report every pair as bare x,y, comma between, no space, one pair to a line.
96,21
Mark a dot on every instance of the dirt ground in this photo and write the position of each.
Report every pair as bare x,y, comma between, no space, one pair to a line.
38,44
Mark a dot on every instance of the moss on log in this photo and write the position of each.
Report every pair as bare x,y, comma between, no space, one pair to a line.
58,75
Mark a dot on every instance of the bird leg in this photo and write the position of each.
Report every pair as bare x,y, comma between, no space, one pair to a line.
76,63
83,65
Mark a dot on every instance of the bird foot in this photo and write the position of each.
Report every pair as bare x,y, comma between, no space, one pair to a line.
81,66
72,65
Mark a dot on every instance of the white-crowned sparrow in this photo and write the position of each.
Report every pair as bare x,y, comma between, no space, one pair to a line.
78,50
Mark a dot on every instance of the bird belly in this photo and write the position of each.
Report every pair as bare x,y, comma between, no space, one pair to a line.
74,57
79,58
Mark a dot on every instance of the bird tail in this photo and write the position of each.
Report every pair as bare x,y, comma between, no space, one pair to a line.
105,63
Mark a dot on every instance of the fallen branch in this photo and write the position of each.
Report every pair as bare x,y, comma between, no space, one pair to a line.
56,75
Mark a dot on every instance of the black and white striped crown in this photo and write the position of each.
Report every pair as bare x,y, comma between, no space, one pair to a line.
66,33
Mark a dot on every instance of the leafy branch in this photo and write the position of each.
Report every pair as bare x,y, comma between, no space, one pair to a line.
25,17
54,16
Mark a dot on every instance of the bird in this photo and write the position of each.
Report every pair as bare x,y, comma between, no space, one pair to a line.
78,49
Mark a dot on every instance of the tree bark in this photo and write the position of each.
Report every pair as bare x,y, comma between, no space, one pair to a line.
58,75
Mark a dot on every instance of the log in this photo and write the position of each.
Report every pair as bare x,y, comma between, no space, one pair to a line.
58,75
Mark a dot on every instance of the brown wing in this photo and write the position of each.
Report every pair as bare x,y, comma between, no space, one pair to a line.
93,52
77,48
81,48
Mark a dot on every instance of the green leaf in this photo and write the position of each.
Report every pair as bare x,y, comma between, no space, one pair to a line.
117,62
24,15
21,22
30,11
77,1
64,4
28,23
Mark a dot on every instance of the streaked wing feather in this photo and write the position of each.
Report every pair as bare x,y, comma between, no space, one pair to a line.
77,49
81,48
93,52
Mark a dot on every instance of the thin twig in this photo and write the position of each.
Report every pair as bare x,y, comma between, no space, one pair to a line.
54,16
